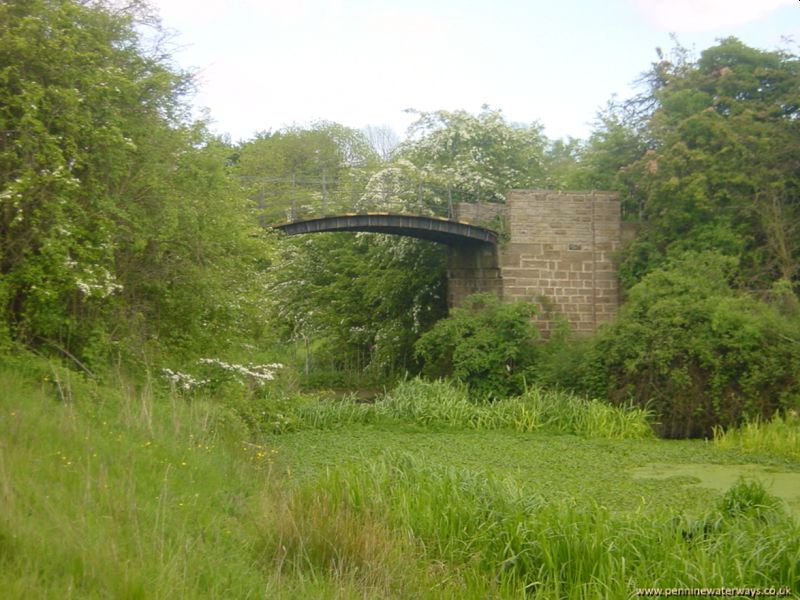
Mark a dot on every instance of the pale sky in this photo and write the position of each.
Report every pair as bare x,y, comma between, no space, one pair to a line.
266,64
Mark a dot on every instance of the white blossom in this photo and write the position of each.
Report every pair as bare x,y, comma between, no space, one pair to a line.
183,381
258,374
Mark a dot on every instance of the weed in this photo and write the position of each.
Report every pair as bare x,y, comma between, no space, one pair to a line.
441,404
779,437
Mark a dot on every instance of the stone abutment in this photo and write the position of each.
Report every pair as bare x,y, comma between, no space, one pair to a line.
557,250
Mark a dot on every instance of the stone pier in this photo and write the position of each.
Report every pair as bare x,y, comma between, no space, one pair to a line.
557,250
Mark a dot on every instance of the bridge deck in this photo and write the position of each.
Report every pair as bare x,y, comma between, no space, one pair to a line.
435,229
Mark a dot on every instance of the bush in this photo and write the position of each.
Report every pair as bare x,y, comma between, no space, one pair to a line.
697,352
486,344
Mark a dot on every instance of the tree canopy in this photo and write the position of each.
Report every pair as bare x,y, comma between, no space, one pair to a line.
480,156
708,157
118,217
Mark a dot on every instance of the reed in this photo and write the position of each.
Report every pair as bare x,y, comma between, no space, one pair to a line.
442,404
494,540
778,437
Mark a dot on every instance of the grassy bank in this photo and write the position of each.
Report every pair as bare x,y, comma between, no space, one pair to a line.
127,490
117,492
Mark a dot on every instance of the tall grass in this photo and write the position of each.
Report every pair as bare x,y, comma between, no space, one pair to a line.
441,404
120,492
493,541
778,437
129,491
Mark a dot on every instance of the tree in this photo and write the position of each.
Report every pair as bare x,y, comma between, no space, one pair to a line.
698,352
359,302
118,218
722,166
478,157
617,141
305,170
383,140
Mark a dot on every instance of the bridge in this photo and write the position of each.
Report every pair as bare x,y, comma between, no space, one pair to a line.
556,249
385,201
431,228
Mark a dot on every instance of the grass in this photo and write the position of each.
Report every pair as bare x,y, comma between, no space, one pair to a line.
494,539
778,437
440,404
109,493
125,490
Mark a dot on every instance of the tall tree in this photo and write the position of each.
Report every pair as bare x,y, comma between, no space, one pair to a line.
479,157
722,170
117,215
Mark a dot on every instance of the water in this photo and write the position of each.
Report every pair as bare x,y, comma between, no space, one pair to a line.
783,484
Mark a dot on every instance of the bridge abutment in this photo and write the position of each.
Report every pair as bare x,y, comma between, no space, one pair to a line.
558,252
472,269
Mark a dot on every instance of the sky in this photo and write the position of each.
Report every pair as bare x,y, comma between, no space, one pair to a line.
267,64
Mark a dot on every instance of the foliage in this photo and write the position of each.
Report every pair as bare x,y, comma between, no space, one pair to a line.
497,541
749,499
777,437
219,372
565,361
356,303
478,157
616,141
439,404
304,169
716,162
485,343
698,353
561,164
119,225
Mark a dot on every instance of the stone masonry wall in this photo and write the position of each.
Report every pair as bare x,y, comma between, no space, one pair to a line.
559,254
474,268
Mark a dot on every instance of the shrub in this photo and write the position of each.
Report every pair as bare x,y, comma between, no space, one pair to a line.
697,352
486,344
